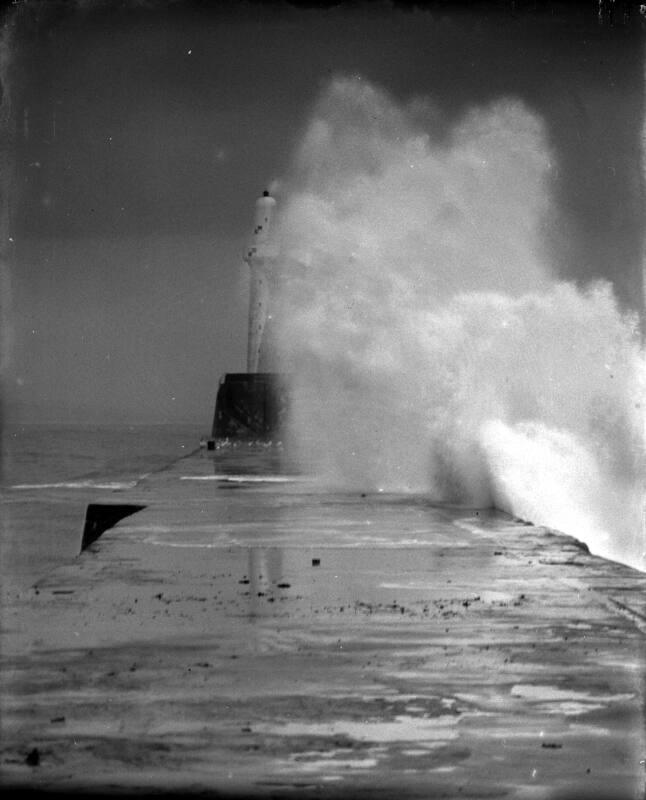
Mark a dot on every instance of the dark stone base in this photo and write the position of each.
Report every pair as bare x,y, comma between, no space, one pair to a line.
250,405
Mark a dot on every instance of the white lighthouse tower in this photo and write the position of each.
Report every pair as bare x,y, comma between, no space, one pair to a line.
254,404
260,254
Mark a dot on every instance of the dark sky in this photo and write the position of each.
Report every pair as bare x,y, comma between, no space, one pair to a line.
143,132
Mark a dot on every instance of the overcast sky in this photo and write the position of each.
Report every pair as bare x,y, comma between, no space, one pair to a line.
144,132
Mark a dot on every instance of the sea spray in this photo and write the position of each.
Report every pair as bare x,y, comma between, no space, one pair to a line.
431,348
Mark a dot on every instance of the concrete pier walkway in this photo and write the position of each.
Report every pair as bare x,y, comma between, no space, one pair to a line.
252,635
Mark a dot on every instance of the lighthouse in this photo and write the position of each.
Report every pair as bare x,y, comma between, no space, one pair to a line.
254,404
260,254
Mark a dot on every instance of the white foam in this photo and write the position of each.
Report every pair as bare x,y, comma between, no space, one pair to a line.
401,729
542,693
245,478
87,484
431,346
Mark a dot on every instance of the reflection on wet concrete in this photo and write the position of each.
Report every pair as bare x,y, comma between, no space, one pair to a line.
277,637
265,576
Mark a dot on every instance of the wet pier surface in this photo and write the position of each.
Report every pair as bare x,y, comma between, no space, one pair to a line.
249,634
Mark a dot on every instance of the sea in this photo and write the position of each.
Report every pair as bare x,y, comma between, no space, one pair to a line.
50,473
